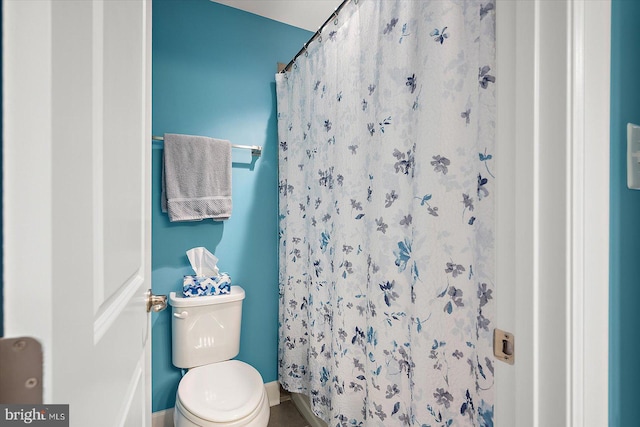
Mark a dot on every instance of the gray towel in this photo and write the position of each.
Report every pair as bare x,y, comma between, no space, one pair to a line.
196,178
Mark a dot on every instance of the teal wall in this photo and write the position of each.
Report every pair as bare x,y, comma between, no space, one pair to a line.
213,74
624,321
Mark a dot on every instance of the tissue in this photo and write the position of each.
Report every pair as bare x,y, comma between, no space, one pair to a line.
208,280
203,262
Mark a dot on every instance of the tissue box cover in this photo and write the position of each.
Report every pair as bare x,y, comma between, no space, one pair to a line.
195,286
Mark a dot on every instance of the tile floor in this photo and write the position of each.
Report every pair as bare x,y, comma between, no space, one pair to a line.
285,414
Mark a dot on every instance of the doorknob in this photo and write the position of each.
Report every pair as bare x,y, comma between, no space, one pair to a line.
156,302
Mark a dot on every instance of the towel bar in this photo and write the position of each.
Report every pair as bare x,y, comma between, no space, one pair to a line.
256,150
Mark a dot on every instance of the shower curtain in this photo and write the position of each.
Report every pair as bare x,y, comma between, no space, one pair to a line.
386,168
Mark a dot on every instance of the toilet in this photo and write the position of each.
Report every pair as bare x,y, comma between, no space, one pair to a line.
216,391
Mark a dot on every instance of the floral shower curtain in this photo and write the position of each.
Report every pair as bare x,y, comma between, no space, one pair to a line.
386,129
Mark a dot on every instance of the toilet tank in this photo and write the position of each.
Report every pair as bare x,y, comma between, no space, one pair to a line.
205,329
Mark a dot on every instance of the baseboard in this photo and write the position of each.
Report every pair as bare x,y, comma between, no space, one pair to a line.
303,405
165,418
162,418
273,392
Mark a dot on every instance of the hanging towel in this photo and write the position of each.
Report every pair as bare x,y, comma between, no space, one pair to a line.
196,178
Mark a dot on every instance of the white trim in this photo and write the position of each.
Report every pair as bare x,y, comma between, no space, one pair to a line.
575,209
588,110
273,392
589,363
555,208
162,418
516,386
515,43
535,280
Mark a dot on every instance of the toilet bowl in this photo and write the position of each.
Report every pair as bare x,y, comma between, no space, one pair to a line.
216,391
229,394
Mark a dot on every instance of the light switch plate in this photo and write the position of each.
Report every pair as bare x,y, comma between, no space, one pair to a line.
633,156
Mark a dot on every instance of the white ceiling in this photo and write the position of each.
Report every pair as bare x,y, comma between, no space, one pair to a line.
306,14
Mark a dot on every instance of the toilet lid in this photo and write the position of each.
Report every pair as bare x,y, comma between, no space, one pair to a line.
221,392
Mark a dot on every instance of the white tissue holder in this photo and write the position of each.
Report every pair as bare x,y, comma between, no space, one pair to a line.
195,286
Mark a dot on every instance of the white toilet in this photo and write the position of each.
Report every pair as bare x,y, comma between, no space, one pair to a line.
216,391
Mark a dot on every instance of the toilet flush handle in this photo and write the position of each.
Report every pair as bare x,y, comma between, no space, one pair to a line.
181,315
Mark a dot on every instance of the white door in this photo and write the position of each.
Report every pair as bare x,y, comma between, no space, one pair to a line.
77,200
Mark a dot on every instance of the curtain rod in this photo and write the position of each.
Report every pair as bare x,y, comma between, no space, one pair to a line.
316,34
256,150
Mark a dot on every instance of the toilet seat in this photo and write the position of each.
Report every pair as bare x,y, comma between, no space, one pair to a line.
258,418
221,393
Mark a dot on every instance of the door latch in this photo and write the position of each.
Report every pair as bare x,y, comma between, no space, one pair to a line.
504,346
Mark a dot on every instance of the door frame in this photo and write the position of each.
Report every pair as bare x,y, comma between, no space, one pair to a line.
553,62
589,145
